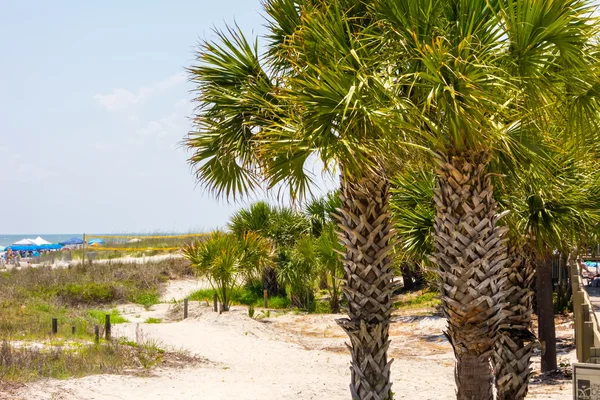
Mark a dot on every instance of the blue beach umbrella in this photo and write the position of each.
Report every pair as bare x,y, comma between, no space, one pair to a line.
72,241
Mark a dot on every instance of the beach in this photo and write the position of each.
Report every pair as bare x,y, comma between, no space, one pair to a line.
282,356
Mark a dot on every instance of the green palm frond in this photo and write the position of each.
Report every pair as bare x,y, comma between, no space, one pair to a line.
234,97
413,211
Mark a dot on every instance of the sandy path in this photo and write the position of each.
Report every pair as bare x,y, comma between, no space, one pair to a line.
282,357
247,361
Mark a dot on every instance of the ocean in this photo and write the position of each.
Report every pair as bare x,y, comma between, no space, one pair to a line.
6,240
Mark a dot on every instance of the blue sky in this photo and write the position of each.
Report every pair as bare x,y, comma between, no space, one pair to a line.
93,106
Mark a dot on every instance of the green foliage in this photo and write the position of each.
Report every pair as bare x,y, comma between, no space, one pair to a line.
147,298
251,311
99,316
242,295
298,273
88,293
279,302
418,300
31,297
153,321
25,364
226,259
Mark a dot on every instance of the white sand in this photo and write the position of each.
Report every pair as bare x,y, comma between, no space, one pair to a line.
287,357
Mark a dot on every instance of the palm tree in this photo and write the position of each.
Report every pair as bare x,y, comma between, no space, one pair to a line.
282,226
256,128
413,211
479,70
227,260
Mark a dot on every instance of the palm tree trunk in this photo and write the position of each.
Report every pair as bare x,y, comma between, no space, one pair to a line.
515,343
364,220
471,258
545,306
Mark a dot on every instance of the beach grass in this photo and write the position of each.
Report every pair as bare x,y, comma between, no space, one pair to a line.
242,295
418,299
79,296
61,360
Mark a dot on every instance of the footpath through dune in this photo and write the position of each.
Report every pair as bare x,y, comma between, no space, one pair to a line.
289,356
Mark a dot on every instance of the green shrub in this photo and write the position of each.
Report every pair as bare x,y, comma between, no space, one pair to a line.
147,298
424,299
278,302
251,311
99,316
90,293
201,295
321,307
153,321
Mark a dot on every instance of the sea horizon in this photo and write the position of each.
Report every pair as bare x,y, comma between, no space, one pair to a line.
8,239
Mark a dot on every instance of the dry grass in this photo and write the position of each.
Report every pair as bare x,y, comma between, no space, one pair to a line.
30,298
24,364
78,297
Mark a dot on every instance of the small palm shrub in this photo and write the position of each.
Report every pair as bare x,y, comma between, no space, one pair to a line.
227,260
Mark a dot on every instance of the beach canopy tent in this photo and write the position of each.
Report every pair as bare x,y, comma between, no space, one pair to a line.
40,241
25,242
96,242
72,241
51,246
32,247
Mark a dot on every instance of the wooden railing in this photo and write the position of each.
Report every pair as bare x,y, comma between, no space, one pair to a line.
587,331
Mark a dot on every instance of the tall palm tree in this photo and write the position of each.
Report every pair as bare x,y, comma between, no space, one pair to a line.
259,120
480,69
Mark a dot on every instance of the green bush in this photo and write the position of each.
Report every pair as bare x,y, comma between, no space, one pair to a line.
242,296
147,298
279,302
153,321
100,316
89,293
425,299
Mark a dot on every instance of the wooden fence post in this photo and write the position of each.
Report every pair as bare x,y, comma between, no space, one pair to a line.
266,297
588,340
578,312
72,329
97,333
215,302
54,326
185,308
107,327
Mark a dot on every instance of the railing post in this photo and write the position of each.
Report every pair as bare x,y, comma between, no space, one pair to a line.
577,311
588,341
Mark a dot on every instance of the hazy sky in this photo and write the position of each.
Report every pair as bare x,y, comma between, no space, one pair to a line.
93,106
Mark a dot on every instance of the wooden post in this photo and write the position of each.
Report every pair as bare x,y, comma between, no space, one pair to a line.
107,327
83,250
266,297
578,314
97,333
588,340
72,329
220,308
215,302
185,308
54,326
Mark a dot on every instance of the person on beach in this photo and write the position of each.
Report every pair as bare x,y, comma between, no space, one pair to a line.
593,276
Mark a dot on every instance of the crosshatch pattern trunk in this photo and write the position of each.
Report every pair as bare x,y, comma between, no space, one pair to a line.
471,257
515,342
365,231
